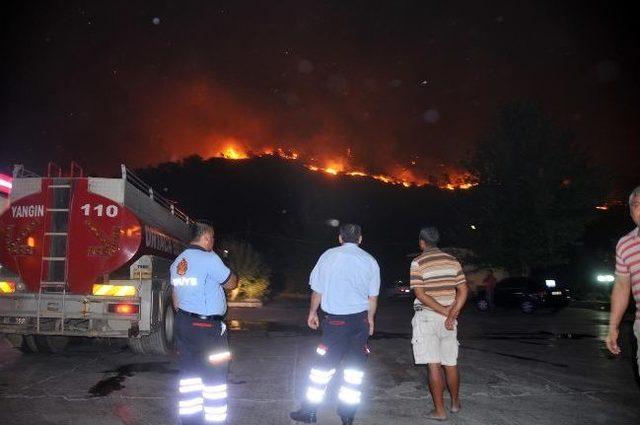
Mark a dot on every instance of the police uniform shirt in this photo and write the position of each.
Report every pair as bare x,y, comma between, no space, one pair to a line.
197,277
346,276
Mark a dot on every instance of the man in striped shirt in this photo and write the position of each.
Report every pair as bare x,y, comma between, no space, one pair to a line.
441,290
627,278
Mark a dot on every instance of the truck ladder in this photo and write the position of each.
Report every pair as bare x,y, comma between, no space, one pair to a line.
54,270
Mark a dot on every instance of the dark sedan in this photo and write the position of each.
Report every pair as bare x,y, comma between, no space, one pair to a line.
527,294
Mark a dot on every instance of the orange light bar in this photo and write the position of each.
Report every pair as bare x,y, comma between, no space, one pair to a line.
7,287
114,290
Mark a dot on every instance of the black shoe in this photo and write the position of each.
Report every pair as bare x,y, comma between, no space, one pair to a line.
347,420
304,416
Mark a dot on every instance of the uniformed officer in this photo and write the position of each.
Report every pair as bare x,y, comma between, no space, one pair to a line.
346,282
199,278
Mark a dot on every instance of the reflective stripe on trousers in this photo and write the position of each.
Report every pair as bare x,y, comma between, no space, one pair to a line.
318,381
215,403
350,392
344,340
203,353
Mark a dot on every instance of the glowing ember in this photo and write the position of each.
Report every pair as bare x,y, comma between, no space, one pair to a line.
288,154
405,177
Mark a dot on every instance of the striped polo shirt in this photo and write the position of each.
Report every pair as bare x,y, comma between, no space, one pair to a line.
438,273
628,263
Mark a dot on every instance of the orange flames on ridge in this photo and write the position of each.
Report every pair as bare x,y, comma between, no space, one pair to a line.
404,177
230,152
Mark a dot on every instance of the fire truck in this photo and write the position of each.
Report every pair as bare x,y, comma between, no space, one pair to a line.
87,257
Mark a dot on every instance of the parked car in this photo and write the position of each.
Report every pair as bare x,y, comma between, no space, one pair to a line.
399,289
528,294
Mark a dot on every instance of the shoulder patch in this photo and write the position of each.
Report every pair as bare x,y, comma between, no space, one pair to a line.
182,268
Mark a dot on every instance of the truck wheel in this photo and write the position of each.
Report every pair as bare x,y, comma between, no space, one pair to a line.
162,340
24,343
51,343
29,344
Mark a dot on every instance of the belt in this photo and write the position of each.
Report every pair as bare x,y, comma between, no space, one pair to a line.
346,316
201,316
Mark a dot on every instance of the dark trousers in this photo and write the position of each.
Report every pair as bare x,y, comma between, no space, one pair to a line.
204,356
344,340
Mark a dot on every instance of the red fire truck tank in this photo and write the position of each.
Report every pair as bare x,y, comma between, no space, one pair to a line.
87,256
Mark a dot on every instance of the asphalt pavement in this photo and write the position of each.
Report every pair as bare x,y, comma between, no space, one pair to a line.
546,368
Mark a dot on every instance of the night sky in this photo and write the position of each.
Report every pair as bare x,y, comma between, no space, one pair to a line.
382,83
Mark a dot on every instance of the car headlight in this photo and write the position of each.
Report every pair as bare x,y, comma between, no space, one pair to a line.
605,278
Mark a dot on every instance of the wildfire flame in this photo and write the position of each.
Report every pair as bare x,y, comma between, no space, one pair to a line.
233,150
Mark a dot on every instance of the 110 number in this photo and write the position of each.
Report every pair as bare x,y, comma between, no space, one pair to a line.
100,210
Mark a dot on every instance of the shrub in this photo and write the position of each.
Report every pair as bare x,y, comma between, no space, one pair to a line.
252,270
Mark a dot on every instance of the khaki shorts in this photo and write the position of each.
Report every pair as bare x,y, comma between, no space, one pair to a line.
636,331
432,342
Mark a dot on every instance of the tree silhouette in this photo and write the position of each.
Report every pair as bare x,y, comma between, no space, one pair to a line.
537,191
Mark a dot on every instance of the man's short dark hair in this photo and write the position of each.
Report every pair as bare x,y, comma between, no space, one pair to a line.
350,233
199,228
430,235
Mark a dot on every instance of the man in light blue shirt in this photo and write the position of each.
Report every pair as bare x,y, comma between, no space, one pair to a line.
346,282
199,278
344,278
